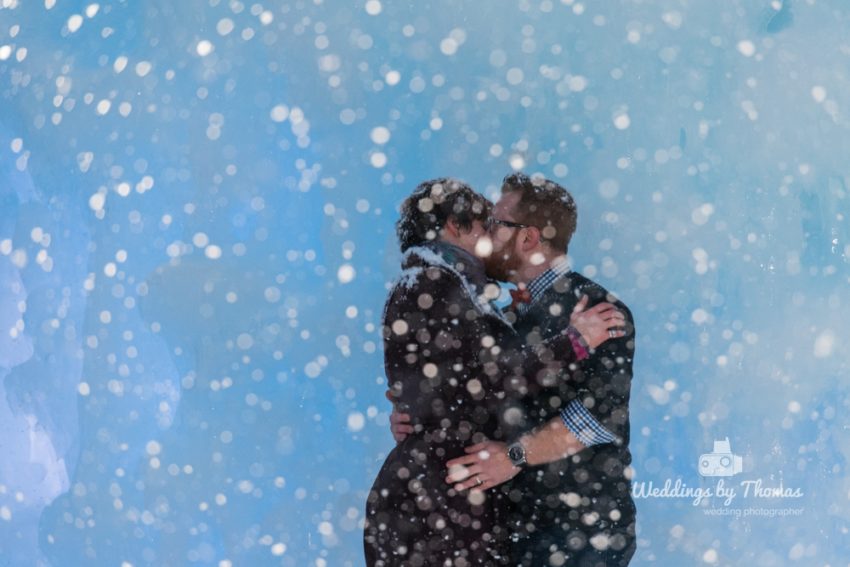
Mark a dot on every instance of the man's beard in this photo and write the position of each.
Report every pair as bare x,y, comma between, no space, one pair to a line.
501,264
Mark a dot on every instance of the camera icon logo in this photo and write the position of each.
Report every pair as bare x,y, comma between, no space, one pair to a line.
720,462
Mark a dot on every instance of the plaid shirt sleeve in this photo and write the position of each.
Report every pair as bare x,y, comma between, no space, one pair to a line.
584,426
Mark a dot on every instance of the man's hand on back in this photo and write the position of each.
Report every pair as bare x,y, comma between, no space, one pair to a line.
399,422
484,466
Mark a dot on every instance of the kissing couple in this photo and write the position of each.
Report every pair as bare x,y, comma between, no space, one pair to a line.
512,425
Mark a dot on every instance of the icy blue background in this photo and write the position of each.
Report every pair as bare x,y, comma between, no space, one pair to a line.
162,405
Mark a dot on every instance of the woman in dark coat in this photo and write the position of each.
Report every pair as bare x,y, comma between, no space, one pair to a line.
447,352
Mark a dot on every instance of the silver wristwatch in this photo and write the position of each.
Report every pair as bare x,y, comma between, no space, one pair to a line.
516,453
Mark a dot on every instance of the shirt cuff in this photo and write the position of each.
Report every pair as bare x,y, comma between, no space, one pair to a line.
580,347
584,426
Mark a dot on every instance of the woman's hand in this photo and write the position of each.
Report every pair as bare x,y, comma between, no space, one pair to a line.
596,325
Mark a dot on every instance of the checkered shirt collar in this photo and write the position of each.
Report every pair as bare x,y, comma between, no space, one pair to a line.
544,281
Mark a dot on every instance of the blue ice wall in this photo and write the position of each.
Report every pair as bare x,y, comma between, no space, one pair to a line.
196,229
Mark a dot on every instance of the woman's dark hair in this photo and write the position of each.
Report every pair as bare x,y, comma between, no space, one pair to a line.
425,212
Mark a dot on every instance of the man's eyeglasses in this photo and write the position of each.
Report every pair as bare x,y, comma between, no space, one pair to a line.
491,222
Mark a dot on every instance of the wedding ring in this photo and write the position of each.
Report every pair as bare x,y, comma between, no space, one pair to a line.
478,481
612,333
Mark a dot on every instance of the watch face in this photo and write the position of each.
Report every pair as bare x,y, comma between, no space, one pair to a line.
516,454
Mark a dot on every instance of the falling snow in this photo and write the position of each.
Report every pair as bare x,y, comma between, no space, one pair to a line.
197,207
